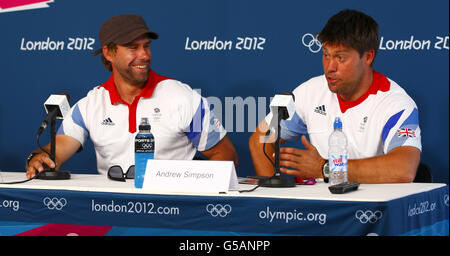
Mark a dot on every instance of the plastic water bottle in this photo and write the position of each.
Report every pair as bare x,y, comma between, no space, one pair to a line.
337,154
144,148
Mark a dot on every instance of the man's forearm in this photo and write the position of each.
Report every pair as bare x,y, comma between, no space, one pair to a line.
263,167
398,166
222,151
225,156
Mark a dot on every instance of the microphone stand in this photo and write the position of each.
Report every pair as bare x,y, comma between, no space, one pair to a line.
51,173
277,181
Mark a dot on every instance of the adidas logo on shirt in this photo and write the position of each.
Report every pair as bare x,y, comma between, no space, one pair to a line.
320,110
108,121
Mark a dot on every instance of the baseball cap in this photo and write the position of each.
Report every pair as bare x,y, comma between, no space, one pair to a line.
122,29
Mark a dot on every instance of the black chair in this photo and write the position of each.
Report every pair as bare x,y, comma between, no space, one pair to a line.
423,174
199,156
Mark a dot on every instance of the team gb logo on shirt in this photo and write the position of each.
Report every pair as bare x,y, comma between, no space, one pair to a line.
406,132
22,5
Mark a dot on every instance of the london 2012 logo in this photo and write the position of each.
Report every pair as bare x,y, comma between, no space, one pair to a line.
22,5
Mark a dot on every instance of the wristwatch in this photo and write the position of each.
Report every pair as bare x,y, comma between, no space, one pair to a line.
326,171
30,156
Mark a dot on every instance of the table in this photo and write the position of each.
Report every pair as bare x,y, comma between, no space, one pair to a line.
95,205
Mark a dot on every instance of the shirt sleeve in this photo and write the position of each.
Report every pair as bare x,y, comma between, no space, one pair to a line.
402,129
74,125
203,129
290,129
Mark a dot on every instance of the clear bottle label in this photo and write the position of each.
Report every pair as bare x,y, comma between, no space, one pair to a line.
338,163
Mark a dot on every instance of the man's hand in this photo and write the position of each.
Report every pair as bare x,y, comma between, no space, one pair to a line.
38,163
66,146
306,163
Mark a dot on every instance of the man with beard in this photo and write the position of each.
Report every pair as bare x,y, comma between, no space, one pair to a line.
379,119
180,118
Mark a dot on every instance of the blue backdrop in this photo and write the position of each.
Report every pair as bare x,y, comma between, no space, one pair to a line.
257,51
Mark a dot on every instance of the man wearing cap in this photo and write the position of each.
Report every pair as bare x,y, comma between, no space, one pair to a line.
180,118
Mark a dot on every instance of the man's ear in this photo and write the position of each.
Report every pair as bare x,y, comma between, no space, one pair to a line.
107,53
369,56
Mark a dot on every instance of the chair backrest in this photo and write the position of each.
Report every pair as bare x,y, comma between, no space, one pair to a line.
423,174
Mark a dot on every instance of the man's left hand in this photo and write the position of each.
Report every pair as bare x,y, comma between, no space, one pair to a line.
306,163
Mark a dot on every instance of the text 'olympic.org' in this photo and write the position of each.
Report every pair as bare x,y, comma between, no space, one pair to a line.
294,215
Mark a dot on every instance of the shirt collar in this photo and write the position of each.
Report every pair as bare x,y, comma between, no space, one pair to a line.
379,83
147,92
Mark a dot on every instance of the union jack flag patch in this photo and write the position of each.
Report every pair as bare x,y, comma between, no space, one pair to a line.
405,132
217,122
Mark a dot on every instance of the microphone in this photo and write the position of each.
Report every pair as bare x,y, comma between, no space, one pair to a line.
282,107
56,106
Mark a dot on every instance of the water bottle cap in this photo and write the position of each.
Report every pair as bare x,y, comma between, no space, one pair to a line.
145,125
337,123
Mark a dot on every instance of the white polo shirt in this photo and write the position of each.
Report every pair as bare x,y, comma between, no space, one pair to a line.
382,119
180,120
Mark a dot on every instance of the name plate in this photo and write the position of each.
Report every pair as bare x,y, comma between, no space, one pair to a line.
190,176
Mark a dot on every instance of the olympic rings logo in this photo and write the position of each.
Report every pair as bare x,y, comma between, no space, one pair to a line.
311,41
55,203
147,146
218,210
368,216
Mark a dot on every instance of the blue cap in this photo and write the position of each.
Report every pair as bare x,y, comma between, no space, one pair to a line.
337,123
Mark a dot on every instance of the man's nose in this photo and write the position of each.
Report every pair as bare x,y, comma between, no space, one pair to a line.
330,66
144,53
